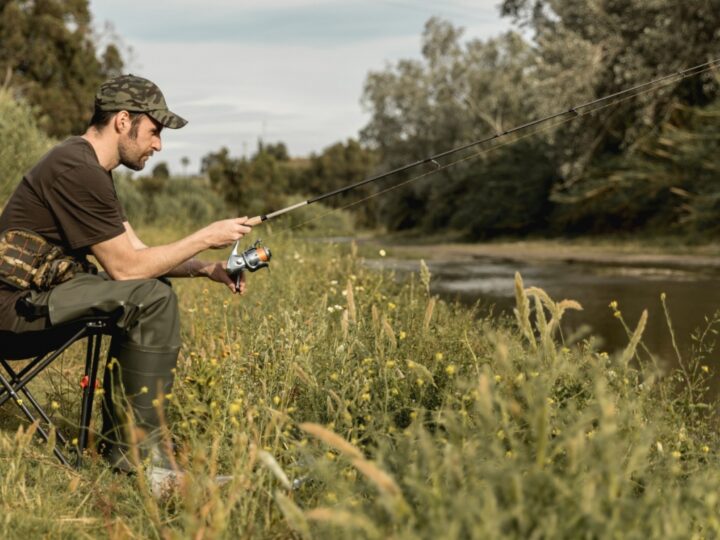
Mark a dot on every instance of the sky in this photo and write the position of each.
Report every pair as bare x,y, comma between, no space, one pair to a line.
278,70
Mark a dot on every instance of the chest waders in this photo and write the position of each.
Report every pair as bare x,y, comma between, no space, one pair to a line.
144,354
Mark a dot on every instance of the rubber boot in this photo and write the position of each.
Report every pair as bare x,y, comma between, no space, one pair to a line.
133,382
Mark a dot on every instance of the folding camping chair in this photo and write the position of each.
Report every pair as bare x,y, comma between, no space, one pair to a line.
43,347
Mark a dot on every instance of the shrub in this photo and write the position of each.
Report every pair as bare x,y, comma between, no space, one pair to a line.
21,142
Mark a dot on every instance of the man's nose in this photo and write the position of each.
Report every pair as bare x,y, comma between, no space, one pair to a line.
157,144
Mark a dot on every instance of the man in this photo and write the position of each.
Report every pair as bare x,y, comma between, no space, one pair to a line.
69,199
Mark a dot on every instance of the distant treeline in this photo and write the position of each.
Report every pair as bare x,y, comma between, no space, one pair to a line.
643,164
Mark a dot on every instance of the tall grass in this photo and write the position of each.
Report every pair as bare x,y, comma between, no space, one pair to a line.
348,405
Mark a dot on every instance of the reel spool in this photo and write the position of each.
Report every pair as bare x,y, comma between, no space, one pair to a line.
253,259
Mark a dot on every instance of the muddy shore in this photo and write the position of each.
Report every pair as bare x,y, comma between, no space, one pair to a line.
697,257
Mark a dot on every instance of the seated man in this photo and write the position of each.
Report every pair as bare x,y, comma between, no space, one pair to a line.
69,200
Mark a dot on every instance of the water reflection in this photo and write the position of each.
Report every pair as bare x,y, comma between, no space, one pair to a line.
692,296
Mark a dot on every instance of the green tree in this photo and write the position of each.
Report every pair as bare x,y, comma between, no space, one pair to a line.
161,170
49,58
591,49
340,165
668,181
251,186
185,162
458,92
21,142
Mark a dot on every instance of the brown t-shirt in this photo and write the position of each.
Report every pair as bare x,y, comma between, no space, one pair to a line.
70,200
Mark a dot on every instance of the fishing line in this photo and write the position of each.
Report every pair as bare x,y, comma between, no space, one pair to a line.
571,113
438,167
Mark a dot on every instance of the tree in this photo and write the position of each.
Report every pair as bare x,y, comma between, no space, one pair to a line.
562,178
252,186
49,56
591,49
340,165
457,93
161,170
185,161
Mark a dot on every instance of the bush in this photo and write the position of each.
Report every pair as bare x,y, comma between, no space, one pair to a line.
21,142
189,202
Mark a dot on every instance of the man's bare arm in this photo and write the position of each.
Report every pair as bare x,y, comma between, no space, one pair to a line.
122,260
189,268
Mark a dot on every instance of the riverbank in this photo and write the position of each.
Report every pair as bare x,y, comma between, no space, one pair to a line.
348,404
607,253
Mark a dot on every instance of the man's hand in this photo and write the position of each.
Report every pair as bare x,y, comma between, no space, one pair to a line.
217,271
126,257
222,233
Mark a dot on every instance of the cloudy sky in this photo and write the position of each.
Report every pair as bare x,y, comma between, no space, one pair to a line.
282,70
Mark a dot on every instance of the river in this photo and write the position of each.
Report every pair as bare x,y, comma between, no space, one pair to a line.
692,295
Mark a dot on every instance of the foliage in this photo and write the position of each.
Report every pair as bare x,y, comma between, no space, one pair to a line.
580,51
347,405
668,181
21,143
185,202
270,180
456,94
617,45
48,56
338,166
250,186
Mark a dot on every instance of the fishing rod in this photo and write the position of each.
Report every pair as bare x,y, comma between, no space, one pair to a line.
258,256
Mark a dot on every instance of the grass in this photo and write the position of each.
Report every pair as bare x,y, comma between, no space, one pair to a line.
347,405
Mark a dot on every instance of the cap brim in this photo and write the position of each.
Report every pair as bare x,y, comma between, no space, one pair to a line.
168,119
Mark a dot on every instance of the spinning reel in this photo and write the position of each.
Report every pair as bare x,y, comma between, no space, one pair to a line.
254,258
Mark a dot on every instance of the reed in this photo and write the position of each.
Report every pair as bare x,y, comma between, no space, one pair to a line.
348,405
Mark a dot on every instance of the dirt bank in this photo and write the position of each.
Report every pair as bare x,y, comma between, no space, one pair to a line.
695,257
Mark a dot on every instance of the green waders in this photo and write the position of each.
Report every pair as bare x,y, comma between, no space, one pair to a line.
144,350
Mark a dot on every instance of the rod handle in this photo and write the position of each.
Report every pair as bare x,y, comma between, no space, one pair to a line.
254,221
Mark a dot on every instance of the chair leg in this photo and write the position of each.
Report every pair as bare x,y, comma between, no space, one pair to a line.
15,380
92,363
28,373
28,413
93,331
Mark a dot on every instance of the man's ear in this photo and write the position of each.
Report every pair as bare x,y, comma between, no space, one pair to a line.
122,122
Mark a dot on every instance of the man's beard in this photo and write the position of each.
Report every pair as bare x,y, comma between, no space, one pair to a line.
130,159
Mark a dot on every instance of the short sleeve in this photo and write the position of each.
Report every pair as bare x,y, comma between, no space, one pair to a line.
86,207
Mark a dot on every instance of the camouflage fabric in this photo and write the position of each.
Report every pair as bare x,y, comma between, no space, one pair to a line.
135,94
28,261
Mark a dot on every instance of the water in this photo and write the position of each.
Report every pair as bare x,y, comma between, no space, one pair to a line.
692,296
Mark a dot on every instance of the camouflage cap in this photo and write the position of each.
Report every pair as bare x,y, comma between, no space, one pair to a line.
135,94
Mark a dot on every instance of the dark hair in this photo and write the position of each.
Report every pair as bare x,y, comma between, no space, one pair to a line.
101,118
